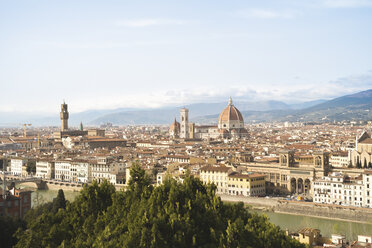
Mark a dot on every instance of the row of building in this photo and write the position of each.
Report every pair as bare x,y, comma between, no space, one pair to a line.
232,182
73,170
340,189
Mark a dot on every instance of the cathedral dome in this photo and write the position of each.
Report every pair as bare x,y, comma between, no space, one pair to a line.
230,117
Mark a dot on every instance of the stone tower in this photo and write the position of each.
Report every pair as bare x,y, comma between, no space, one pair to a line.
64,117
184,123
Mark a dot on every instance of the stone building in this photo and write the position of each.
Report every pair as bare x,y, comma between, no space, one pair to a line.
289,176
230,125
174,130
361,156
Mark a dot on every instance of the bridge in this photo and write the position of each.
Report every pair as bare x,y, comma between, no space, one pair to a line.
39,183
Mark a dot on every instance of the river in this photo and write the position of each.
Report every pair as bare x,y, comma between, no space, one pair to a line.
327,227
42,196
285,221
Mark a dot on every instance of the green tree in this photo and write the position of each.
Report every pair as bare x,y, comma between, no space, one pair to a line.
8,227
59,201
358,164
31,166
171,215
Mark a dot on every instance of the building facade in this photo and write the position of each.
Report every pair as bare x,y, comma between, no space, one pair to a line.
361,156
45,169
63,170
81,172
15,203
230,125
246,184
340,189
217,175
289,176
18,167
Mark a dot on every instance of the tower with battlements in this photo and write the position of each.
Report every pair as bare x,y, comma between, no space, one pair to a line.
64,117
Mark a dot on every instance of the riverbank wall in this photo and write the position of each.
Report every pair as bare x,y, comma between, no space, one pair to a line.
54,186
355,214
363,215
64,187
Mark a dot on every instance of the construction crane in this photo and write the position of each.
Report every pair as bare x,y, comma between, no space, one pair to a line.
24,129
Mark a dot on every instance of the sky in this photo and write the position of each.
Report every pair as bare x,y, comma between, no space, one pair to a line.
116,54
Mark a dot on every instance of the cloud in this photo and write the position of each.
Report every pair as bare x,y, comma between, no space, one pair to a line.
355,82
141,23
245,91
102,44
347,3
266,14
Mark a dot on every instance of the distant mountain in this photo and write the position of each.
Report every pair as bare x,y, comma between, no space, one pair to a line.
350,107
304,105
167,115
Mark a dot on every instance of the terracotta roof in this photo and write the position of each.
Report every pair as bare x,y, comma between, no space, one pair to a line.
215,168
230,113
239,175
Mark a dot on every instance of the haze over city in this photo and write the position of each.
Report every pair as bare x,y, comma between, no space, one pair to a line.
148,54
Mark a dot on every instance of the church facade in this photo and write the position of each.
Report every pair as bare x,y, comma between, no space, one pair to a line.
361,156
230,125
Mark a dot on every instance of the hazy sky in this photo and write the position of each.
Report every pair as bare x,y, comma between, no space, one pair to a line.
109,54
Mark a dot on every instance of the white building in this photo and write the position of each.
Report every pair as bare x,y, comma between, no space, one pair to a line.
63,170
367,182
45,169
101,169
341,190
18,167
81,171
340,160
217,175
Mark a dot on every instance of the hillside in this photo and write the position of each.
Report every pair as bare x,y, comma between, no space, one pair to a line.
350,107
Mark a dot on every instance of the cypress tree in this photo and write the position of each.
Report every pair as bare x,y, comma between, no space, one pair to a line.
59,201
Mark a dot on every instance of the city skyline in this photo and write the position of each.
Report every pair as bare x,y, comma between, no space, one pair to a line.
143,54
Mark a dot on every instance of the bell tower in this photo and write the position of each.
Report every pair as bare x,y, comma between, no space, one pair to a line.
64,117
184,123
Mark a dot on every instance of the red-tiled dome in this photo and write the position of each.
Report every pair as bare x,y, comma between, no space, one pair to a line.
230,113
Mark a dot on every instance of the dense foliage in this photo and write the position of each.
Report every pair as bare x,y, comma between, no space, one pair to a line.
171,215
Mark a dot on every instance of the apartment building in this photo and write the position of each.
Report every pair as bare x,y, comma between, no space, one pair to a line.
45,169
80,171
217,175
342,190
101,169
15,202
62,170
339,160
18,167
367,182
246,184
